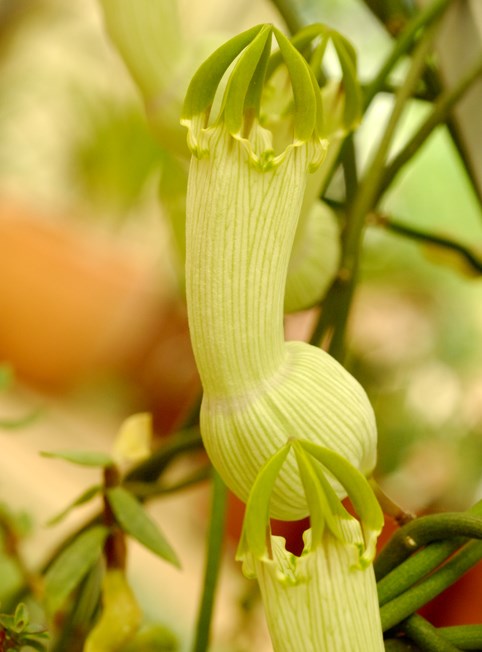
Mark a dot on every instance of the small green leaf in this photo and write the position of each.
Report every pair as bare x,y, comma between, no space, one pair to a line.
204,84
82,458
7,621
84,497
20,422
72,565
21,618
256,518
34,644
134,520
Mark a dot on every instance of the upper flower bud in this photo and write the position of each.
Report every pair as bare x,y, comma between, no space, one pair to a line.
240,107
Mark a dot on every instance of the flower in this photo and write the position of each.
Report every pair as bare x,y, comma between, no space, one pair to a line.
246,186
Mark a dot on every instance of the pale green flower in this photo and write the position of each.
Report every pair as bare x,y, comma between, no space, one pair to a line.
244,197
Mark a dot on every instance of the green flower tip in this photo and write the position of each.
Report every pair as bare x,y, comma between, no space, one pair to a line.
328,516
236,82
245,61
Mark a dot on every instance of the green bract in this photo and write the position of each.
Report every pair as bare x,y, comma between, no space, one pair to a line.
244,197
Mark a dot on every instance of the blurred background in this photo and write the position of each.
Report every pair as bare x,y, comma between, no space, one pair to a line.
92,317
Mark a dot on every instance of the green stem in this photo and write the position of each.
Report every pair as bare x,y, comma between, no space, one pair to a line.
400,645
403,44
414,569
464,637
404,605
438,115
426,635
396,226
421,531
339,298
213,561
146,490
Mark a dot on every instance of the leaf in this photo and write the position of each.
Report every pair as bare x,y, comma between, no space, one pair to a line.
20,422
72,565
84,497
21,618
134,520
82,458
35,645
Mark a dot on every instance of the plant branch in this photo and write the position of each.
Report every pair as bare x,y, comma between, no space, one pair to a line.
464,637
406,604
420,532
439,114
403,44
426,636
337,304
389,223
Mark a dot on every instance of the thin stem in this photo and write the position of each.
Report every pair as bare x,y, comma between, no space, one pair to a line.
213,561
146,490
337,304
426,635
350,171
400,645
391,224
403,44
404,605
420,532
389,507
465,637
415,568
438,115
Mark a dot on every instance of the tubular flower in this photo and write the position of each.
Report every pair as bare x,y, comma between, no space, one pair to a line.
326,599
246,185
